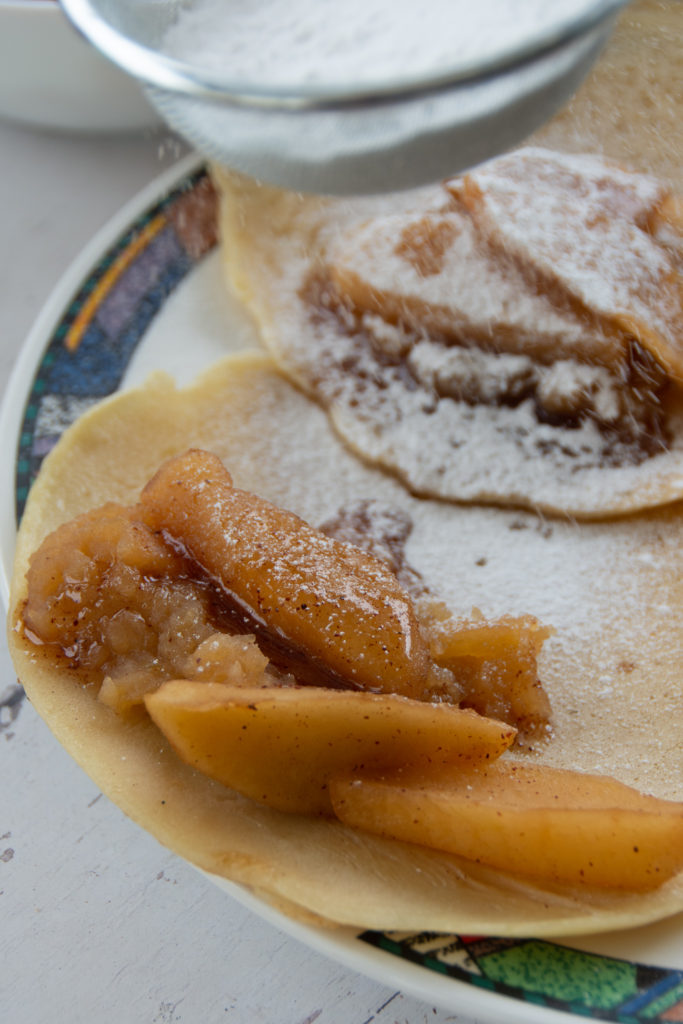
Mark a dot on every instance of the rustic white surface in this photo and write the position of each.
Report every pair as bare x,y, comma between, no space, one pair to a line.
99,924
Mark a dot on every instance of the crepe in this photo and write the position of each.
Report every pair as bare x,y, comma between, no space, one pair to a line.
612,674
512,337
460,343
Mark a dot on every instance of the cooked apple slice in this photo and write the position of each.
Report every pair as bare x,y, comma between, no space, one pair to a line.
322,607
495,664
281,746
550,824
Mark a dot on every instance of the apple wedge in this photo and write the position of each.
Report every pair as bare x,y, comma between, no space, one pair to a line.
281,746
550,824
496,666
333,611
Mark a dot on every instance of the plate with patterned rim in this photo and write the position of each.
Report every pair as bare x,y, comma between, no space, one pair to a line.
102,330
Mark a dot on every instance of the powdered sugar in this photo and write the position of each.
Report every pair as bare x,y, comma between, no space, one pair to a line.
606,262
465,293
482,453
444,365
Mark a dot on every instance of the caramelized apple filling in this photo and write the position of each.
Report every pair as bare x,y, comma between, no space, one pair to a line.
494,663
150,604
108,598
202,581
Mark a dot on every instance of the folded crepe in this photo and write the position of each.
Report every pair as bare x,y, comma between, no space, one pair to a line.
512,337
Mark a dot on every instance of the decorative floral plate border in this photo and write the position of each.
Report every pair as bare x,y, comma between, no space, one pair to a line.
84,358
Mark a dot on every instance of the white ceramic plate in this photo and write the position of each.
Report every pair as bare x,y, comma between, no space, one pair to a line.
128,305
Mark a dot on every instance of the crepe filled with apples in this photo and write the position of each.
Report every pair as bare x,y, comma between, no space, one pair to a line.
372,709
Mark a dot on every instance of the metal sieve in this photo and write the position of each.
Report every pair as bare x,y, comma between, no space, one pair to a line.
341,139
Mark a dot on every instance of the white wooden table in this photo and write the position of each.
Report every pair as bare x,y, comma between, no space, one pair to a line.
100,924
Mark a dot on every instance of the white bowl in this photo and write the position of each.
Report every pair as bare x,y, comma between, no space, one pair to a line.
51,77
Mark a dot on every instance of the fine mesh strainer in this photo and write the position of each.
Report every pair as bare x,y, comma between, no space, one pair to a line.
342,139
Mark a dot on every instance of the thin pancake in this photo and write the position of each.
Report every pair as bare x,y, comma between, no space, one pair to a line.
612,675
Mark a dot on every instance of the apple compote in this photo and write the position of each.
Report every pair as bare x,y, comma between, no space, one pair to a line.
203,581
112,601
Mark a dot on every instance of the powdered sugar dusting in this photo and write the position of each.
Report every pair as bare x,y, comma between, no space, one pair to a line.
606,260
610,666
439,361
471,294
479,452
